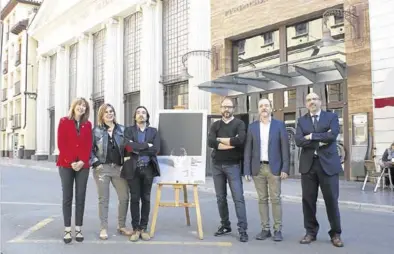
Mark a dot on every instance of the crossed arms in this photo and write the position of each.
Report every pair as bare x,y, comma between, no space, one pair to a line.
144,148
226,143
312,140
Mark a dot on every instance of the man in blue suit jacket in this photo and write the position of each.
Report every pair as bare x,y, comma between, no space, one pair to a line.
320,164
267,160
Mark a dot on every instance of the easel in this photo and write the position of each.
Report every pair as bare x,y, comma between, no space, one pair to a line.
177,188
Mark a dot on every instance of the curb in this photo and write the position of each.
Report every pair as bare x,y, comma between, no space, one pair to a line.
320,202
251,194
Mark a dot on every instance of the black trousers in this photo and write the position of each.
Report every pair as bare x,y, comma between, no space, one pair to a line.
329,186
68,176
140,191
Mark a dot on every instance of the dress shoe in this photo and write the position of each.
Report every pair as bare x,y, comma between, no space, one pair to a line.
277,236
243,237
308,239
264,234
223,230
336,241
125,231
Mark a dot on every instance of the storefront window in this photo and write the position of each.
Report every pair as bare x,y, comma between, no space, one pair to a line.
289,98
256,52
334,92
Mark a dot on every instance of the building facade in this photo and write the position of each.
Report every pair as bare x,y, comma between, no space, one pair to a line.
282,50
382,55
124,52
18,82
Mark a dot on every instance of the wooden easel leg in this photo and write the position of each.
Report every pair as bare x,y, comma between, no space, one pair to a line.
198,212
186,208
155,210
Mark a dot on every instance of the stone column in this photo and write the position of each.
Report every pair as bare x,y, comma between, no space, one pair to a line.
42,133
61,89
151,90
113,88
199,64
89,75
82,59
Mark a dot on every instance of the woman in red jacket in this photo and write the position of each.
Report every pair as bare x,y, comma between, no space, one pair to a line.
75,145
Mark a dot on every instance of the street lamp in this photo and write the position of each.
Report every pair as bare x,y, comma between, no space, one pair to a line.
327,39
185,74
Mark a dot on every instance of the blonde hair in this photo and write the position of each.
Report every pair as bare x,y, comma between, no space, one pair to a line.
79,101
101,113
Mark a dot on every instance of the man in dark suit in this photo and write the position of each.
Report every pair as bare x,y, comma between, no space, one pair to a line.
267,160
320,165
142,146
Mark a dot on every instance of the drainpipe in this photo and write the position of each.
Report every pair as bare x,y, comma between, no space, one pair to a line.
26,70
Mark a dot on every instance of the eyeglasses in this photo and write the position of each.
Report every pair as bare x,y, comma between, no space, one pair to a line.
312,99
227,107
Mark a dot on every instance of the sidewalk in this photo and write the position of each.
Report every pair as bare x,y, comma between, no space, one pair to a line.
351,195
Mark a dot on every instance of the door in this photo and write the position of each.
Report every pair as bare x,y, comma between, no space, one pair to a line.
15,145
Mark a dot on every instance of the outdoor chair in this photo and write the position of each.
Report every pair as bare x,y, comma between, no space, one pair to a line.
372,167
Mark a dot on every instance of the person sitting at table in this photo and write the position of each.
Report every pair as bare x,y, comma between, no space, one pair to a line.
388,160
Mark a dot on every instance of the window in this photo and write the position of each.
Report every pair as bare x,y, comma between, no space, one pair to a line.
241,47
132,53
132,101
301,28
175,38
338,19
334,92
176,95
289,98
98,63
267,38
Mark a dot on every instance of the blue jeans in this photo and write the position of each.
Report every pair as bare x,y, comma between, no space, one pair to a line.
231,174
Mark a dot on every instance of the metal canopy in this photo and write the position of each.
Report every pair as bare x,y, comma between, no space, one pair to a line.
325,68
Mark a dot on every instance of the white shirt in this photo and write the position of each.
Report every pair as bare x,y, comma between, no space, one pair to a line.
264,138
317,114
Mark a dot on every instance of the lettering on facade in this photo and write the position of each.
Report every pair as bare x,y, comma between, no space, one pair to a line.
244,6
100,4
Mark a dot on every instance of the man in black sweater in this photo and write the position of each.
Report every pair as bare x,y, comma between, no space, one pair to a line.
227,137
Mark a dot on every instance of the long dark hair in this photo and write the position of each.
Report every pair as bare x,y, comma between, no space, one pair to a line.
147,115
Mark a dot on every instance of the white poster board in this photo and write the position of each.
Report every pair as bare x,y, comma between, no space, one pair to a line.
183,142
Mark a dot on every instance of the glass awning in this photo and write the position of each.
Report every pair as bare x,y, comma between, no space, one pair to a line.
325,68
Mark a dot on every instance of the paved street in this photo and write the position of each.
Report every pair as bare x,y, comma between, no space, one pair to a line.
31,223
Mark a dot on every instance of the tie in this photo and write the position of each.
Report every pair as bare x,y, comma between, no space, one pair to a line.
315,122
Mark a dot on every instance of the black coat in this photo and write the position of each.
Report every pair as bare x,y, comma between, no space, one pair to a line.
136,149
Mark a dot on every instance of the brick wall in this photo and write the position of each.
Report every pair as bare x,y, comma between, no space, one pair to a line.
232,19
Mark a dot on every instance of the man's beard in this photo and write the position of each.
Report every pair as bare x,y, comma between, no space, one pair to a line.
227,115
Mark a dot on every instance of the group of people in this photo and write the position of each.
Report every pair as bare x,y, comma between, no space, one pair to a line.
127,158
262,153
123,156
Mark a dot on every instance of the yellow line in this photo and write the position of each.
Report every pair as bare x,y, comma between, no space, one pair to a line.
219,244
25,234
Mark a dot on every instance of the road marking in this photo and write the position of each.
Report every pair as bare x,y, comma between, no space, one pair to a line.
21,238
201,243
29,203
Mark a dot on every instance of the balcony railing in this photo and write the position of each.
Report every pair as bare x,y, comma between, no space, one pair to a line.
4,92
17,88
3,124
5,68
19,27
17,58
16,121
